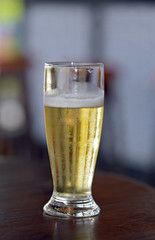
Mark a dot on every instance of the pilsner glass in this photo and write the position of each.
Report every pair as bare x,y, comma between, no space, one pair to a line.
73,105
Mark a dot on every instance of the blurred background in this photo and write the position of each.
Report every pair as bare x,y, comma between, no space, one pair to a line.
119,34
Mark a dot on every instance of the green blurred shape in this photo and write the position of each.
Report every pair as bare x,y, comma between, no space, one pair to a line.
11,10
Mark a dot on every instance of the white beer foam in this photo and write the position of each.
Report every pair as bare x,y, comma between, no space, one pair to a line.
93,99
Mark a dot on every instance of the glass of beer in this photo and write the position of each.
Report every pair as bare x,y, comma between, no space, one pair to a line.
73,105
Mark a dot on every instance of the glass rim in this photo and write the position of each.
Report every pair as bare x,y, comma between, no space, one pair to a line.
73,64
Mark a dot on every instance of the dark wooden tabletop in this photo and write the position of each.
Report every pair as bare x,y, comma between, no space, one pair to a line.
127,207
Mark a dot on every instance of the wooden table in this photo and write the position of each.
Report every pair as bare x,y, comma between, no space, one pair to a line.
128,207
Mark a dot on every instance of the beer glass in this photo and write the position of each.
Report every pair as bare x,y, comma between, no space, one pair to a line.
73,105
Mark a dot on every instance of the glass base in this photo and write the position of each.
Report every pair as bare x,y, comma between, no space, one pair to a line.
75,208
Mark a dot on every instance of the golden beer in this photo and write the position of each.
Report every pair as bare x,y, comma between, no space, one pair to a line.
73,106
73,137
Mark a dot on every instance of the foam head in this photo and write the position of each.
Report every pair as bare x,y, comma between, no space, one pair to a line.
88,96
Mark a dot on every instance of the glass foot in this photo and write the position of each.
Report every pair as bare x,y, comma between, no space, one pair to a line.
75,208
